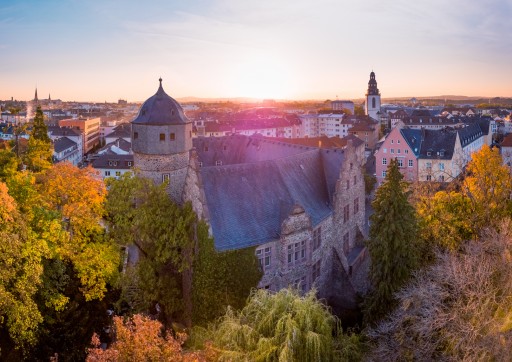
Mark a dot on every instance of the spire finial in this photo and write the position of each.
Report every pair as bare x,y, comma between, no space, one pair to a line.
160,80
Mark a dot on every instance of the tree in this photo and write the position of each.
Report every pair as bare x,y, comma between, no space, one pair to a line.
488,185
39,152
282,327
142,214
220,279
39,128
446,219
393,245
459,309
77,196
142,339
21,254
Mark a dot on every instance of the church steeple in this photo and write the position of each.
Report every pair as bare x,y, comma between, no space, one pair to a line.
372,104
35,96
372,86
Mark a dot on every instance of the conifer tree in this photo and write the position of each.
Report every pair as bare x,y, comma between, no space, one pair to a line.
393,246
39,128
39,151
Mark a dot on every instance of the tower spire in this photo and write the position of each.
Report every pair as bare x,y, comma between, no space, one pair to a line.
35,97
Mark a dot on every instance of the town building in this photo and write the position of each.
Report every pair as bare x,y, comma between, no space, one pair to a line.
301,207
90,129
338,105
115,166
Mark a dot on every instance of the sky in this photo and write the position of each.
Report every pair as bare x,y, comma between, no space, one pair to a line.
105,50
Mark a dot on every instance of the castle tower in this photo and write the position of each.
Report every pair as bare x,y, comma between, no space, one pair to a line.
161,142
372,105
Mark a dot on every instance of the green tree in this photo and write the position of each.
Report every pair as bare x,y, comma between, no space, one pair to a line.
220,279
393,244
282,327
39,151
142,214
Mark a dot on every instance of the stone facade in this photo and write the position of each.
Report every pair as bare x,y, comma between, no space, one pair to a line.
308,250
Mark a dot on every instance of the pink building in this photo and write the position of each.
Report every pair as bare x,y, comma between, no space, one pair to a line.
403,144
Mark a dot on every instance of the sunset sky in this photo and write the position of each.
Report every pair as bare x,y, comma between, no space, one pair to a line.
103,50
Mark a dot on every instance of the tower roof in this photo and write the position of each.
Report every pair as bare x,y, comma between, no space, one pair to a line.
161,109
372,85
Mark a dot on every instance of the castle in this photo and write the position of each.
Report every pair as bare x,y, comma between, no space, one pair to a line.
301,207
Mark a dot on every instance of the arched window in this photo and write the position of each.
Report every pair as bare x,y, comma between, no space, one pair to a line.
373,102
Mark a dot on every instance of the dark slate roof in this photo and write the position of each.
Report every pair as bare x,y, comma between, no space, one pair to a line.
119,143
260,181
469,133
482,122
438,144
161,109
237,149
117,162
63,143
63,131
413,137
121,131
322,141
248,202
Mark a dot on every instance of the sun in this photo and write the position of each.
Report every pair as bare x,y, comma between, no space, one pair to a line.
262,77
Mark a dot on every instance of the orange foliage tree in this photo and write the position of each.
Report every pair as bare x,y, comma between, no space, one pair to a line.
142,339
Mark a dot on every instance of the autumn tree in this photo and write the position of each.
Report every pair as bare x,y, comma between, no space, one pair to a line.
282,326
39,151
21,254
393,244
142,339
458,309
446,219
77,196
488,186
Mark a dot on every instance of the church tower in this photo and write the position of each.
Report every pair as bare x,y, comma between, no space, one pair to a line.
372,105
161,142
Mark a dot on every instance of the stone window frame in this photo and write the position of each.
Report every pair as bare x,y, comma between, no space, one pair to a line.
296,252
162,137
346,213
166,177
172,136
264,256
135,135
315,270
346,242
317,238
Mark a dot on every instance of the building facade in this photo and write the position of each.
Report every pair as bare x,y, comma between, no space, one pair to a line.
301,207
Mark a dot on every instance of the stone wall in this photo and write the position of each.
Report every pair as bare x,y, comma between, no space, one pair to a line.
155,167
147,140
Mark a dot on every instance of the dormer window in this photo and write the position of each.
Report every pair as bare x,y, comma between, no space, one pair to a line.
429,153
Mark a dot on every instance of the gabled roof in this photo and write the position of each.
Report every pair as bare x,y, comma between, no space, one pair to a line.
118,147
414,138
469,133
63,131
121,131
438,144
258,184
62,144
116,162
